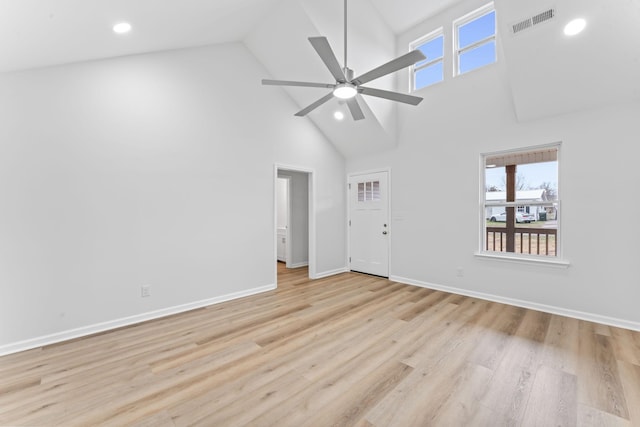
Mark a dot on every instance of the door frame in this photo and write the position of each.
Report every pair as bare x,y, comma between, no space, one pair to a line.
311,220
366,172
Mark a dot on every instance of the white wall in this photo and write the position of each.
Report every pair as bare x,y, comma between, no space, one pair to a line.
153,169
435,195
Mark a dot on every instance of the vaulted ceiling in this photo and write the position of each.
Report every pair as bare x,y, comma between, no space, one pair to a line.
547,73
37,33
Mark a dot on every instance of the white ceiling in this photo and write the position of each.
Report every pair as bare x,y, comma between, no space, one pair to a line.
38,33
42,33
546,73
551,74
404,14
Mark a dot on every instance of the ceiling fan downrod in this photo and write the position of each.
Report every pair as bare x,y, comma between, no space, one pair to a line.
345,40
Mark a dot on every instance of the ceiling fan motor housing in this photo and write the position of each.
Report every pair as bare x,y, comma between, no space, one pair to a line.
348,73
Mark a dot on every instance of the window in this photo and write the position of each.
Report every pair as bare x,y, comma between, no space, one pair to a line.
521,203
369,191
475,40
430,70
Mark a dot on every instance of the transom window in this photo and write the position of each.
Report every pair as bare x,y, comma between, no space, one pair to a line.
475,39
430,70
521,204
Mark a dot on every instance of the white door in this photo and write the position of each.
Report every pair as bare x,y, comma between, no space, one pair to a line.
369,223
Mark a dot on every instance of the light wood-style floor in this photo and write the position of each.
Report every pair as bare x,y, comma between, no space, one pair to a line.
349,350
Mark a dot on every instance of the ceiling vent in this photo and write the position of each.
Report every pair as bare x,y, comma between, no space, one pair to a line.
533,21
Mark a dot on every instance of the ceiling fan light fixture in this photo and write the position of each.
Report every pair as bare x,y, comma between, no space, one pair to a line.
345,91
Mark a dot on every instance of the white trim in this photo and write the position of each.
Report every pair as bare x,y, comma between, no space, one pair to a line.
125,321
331,273
581,315
297,265
312,217
502,256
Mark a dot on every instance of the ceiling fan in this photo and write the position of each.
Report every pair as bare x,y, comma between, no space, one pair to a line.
346,86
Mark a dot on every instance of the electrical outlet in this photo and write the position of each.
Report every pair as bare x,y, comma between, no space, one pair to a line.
459,272
145,291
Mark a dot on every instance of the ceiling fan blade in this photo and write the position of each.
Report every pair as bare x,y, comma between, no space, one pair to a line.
315,105
390,67
292,83
321,45
355,109
394,96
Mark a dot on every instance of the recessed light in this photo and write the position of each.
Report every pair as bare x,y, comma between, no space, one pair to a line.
338,115
122,28
574,27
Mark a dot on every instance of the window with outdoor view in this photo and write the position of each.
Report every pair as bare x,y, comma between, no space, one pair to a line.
430,70
521,204
475,40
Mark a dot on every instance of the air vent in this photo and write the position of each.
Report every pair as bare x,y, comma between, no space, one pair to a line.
533,21
544,16
521,26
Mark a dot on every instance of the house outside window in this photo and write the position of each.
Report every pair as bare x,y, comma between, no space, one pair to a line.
521,204
430,70
475,40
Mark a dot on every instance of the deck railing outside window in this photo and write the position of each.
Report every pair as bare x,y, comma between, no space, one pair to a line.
534,241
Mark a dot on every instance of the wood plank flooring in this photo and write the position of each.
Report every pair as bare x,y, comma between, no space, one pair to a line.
349,350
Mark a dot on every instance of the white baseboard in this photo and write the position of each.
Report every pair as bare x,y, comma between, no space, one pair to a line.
298,265
324,274
126,321
591,317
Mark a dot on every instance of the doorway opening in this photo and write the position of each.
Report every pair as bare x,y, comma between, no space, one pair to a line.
294,221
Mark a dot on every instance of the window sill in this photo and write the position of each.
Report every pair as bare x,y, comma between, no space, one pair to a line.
523,259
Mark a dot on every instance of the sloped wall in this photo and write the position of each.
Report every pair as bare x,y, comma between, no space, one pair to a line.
146,170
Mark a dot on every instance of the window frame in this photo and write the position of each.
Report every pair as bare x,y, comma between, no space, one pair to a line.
470,17
419,42
557,260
